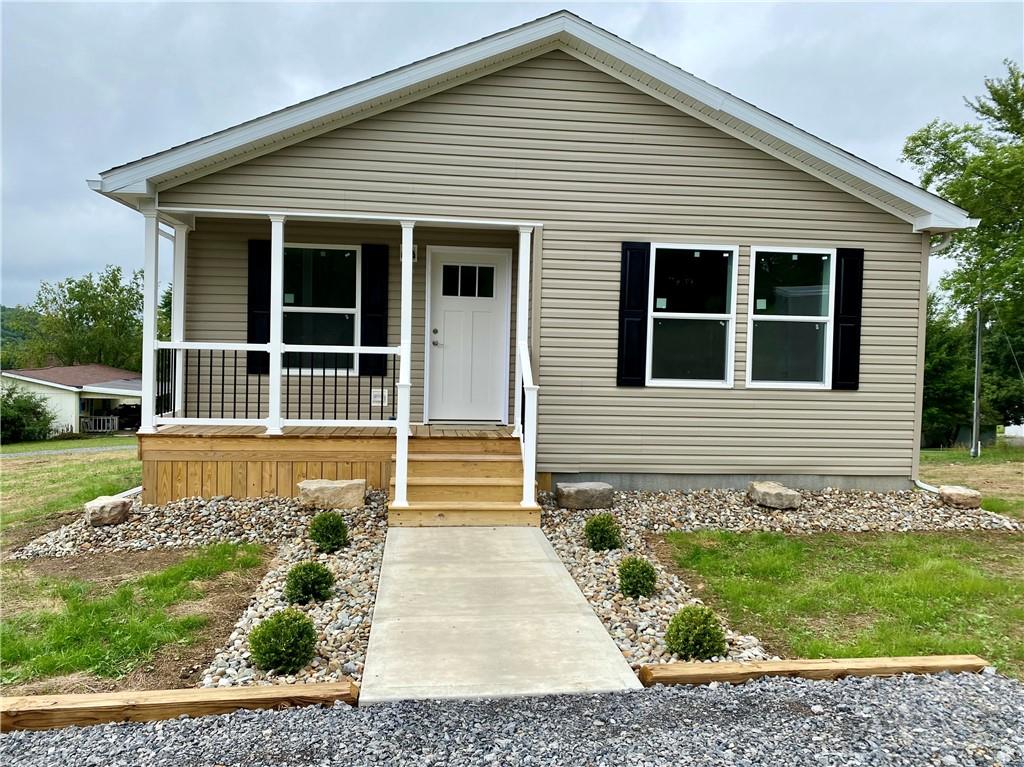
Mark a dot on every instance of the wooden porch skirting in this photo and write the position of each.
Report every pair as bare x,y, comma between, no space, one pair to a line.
244,462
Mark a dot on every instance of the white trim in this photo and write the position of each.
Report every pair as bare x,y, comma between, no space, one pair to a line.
426,339
469,250
274,383
355,311
829,319
332,215
150,302
170,421
563,30
217,346
64,387
367,422
729,317
118,393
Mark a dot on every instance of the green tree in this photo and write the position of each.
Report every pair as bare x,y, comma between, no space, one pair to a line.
163,315
17,325
980,167
90,319
948,376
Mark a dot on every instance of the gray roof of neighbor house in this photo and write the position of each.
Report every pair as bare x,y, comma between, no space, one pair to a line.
82,378
922,209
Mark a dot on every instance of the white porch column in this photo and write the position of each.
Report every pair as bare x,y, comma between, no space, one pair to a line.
522,318
405,372
150,286
178,313
276,321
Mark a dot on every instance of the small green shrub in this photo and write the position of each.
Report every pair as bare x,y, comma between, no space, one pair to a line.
308,582
284,642
328,531
602,532
694,633
637,577
24,416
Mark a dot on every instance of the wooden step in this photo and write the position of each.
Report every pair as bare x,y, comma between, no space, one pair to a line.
464,514
465,465
499,445
461,489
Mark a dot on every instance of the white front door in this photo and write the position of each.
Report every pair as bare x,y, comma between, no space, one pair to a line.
467,334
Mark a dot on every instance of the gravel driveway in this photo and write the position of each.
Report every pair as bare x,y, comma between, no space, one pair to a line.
966,719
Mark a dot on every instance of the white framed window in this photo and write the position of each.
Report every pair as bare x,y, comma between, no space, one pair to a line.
790,317
322,292
691,316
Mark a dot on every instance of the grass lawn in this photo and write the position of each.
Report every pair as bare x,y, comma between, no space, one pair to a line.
60,625
35,491
848,595
65,444
998,473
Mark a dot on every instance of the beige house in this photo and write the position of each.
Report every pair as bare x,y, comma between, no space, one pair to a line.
545,254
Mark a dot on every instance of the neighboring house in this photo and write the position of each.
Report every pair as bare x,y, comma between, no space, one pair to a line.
645,278
85,398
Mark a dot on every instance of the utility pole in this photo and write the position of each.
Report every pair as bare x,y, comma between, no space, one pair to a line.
976,419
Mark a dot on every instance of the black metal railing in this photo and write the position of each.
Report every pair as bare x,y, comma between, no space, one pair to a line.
325,386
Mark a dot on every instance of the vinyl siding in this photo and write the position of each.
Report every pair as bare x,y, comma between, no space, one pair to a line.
598,163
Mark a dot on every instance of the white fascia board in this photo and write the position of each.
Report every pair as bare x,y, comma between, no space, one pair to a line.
936,224
122,393
65,387
135,178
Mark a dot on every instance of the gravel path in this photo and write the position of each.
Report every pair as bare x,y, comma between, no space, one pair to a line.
968,719
70,450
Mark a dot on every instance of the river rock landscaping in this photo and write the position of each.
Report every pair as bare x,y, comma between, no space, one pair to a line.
828,510
637,625
342,621
188,523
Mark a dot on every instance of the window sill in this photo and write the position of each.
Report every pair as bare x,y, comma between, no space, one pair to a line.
793,385
661,383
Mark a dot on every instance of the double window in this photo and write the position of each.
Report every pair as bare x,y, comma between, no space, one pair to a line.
321,303
691,315
789,327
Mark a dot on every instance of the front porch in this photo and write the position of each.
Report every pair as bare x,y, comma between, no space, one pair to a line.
458,474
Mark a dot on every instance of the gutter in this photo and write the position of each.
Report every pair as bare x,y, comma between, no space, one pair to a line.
925,486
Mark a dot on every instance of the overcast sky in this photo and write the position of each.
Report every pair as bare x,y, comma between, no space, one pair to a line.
89,86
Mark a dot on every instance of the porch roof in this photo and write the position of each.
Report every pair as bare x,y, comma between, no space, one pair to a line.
562,30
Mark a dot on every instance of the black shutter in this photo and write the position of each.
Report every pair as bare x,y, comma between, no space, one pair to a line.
258,320
373,315
847,318
633,290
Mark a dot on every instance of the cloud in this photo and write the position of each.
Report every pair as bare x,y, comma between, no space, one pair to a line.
89,86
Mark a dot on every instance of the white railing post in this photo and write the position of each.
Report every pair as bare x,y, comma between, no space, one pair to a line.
178,313
404,372
522,319
276,321
530,445
150,286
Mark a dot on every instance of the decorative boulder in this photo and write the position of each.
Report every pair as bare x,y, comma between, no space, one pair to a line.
107,510
333,493
960,497
773,495
584,495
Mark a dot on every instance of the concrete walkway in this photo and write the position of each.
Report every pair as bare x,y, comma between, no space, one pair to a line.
466,612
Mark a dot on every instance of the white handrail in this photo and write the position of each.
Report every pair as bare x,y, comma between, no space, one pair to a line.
527,427
216,346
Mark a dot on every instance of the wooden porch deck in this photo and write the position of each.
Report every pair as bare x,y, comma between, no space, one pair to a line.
245,462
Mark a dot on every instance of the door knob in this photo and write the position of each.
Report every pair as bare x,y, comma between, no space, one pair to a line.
435,343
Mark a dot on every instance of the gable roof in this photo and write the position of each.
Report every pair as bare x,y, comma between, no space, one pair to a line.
81,377
562,30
